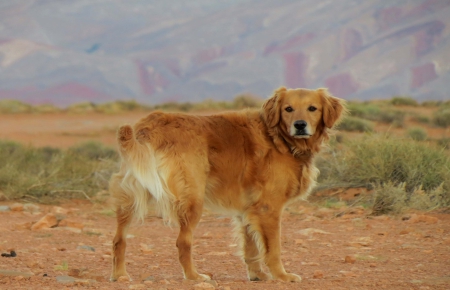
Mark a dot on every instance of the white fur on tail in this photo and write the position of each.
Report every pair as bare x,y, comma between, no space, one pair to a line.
146,174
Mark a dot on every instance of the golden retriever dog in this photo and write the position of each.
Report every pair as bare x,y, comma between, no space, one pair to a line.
247,164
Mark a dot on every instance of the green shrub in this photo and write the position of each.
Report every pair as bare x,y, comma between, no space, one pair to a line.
14,106
94,151
47,173
404,101
421,119
363,110
375,159
394,117
442,118
417,134
355,124
444,142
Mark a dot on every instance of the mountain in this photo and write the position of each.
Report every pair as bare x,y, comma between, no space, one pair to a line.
62,51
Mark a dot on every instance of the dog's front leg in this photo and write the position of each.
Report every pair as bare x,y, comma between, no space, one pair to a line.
270,234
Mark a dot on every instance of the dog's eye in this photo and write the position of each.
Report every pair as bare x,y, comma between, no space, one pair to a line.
312,108
289,109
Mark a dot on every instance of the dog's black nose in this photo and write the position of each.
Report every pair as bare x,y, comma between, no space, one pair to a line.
300,124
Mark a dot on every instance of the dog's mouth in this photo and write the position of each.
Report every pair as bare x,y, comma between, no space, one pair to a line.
302,136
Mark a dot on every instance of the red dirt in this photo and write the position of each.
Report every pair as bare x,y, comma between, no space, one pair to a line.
381,252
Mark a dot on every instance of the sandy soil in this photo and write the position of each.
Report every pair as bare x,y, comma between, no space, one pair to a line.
352,251
65,129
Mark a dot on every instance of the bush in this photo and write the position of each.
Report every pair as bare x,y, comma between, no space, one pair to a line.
442,118
417,134
355,124
391,117
421,119
47,173
404,101
363,110
14,106
375,159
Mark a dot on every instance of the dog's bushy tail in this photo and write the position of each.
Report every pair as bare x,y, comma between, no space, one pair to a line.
125,138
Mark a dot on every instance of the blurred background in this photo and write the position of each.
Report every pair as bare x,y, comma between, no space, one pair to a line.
66,52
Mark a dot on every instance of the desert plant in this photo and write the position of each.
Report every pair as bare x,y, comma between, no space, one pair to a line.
375,159
355,124
418,134
14,106
421,119
442,118
363,110
403,101
47,173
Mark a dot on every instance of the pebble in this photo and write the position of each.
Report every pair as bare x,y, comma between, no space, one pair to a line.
84,247
416,218
203,285
310,231
4,208
16,207
318,274
47,221
70,224
350,259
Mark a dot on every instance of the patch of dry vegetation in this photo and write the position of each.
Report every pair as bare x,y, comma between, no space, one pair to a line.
404,173
48,173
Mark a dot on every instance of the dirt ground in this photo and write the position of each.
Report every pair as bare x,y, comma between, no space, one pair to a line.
343,248
351,251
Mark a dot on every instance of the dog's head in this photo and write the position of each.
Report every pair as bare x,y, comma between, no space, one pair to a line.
300,114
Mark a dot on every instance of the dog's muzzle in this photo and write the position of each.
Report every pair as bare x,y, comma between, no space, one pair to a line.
300,129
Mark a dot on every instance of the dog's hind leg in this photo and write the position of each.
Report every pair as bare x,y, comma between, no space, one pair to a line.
189,214
124,214
124,217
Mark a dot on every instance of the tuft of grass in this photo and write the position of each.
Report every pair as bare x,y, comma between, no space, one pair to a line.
389,116
395,168
403,101
355,124
421,119
444,142
417,134
63,267
49,173
363,110
442,118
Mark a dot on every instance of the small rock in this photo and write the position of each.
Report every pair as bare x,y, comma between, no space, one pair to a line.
123,279
147,282
310,231
145,249
318,274
350,260
164,281
23,226
203,285
70,224
416,218
347,274
212,282
372,265
18,278
32,208
48,221
65,279
137,286
74,273
88,248
15,273
16,207
59,210
4,208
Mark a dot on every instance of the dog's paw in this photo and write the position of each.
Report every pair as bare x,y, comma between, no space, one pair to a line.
289,277
122,278
202,277
260,276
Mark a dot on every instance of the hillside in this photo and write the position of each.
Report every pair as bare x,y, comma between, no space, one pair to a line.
64,52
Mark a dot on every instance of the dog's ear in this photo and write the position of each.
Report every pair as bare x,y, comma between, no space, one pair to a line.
333,108
271,110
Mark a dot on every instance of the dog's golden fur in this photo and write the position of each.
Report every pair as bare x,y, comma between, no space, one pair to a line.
248,164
